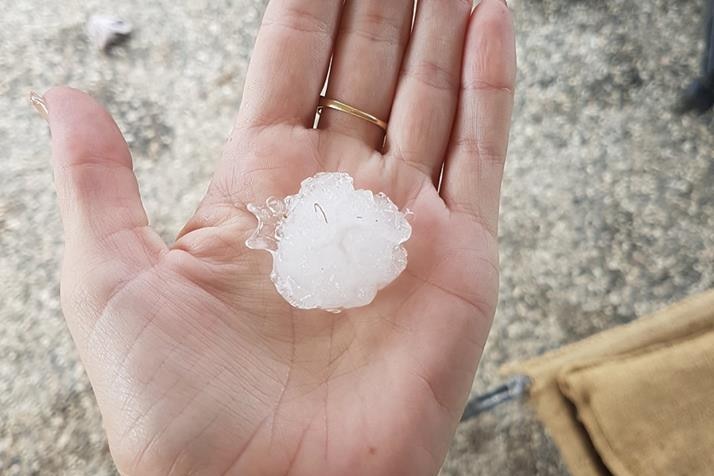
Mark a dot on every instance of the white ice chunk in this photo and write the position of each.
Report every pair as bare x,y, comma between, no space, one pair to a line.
333,246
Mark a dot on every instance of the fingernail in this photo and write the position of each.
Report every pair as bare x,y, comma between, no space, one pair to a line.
40,105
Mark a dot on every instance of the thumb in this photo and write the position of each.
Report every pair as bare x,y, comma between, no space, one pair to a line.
107,238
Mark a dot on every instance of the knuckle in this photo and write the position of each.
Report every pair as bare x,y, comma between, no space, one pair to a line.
298,20
484,85
433,74
481,150
376,27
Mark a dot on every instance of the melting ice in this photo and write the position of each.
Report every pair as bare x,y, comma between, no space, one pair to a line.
333,247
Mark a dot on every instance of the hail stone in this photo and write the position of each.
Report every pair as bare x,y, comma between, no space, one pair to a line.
333,247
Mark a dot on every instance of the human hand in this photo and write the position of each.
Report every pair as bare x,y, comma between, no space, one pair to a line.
198,365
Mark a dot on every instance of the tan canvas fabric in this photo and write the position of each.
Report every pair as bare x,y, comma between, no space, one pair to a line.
628,370
652,412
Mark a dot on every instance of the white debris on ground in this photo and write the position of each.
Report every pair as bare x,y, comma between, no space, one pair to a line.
333,246
105,31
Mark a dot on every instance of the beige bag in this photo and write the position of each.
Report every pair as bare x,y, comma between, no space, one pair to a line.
634,400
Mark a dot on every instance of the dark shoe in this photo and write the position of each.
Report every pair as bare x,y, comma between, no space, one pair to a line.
698,98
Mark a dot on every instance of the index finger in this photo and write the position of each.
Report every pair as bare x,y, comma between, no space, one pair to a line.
289,62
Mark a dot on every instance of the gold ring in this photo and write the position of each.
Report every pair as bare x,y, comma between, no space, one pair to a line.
352,111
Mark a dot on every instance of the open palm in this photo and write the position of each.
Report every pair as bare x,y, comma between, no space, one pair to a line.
199,366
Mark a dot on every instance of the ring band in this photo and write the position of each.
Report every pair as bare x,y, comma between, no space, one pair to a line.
327,103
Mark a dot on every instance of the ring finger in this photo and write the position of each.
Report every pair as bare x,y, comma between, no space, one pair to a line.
366,63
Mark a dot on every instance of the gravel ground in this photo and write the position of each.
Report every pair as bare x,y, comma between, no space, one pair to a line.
608,205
